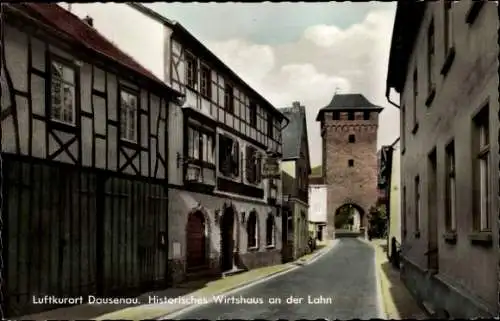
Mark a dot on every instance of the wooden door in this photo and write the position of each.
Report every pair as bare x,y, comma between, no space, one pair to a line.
195,240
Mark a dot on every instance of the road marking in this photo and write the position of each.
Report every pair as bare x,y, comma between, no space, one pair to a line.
192,307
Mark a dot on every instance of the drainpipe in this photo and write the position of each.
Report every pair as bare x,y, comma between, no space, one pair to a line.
387,96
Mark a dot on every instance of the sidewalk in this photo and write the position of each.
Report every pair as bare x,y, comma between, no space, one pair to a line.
185,295
397,301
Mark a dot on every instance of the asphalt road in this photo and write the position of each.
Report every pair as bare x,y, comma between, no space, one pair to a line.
344,277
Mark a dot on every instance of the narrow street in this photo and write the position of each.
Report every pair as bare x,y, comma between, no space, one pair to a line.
345,276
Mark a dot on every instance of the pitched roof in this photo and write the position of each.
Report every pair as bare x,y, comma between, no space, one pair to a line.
347,102
63,21
292,134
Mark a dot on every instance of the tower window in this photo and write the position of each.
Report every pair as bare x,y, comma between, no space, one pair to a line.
350,116
352,138
366,115
351,162
336,115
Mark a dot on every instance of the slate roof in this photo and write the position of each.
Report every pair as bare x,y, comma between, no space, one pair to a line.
65,23
348,102
292,134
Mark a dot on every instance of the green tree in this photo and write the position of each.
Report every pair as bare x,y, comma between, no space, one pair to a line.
343,216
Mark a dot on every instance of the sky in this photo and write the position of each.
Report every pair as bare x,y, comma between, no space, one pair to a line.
291,51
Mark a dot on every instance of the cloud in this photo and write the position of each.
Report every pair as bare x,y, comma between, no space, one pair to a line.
310,69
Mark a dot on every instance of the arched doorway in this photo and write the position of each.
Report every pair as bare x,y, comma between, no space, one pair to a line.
196,240
349,217
227,239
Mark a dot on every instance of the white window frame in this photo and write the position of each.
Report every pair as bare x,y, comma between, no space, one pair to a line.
256,236
418,205
129,123
484,179
270,217
63,83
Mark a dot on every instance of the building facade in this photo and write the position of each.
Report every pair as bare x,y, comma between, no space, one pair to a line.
84,162
218,140
296,169
394,208
444,65
349,141
317,207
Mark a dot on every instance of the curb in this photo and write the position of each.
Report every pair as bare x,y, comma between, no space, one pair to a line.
380,297
293,266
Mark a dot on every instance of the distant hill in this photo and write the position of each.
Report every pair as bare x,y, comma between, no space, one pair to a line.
316,171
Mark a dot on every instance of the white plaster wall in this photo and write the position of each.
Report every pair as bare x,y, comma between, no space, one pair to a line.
317,203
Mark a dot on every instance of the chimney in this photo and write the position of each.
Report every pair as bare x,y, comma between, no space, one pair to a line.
88,20
296,104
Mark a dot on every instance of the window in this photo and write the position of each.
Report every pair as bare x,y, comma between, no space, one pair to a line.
253,165
403,127
336,115
415,95
200,145
128,115
63,102
253,114
252,229
481,171
270,230
417,204
352,139
229,99
366,115
450,186
229,156
350,115
206,82
290,224
191,70
270,126
430,57
405,211
448,27
351,162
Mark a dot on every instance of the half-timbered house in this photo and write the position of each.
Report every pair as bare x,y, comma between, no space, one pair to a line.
84,162
225,210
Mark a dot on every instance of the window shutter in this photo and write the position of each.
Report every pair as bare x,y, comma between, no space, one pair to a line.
249,165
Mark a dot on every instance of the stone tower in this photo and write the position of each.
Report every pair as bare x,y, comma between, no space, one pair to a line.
349,142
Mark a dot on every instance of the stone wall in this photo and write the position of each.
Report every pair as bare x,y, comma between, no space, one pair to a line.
356,184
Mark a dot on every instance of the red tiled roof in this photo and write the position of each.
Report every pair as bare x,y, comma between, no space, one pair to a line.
64,21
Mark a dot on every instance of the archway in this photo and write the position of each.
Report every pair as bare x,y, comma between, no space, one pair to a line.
350,216
196,240
227,238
